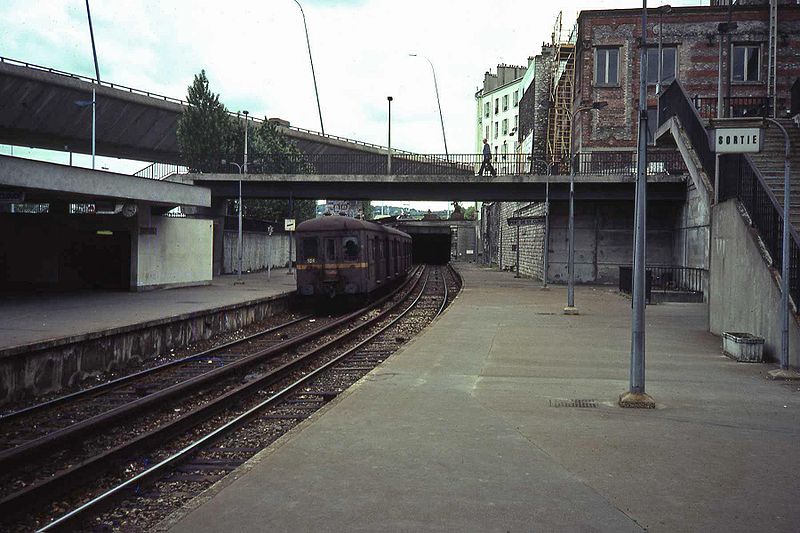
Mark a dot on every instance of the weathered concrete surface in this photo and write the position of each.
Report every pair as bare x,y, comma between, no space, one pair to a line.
48,341
42,181
744,294
258,250
172,252
456,432
433,187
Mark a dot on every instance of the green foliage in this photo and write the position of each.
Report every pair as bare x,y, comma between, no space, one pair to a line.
366,208
208,134
469,214
204,130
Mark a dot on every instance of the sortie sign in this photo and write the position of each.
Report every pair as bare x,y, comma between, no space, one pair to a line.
737,140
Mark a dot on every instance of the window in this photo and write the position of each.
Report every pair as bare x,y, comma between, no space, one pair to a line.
606,66
309,249
505,126
505,147
516,98
487,133
330,250
516,122
746,61
351,248
505,102
486,109
496,106
496,129
669,56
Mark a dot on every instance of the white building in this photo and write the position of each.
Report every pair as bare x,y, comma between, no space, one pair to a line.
498,109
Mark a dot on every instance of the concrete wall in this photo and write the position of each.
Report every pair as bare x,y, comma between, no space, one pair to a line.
692,233
170,252
31,370
463,240
256,246
603,238
744,295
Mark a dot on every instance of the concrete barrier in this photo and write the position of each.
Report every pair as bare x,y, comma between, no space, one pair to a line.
50,366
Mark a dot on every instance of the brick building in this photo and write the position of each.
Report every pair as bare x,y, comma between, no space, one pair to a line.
692,39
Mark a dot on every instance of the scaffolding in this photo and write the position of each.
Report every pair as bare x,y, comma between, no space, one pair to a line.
562,82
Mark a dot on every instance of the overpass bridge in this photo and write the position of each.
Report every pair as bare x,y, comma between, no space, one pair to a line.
38,109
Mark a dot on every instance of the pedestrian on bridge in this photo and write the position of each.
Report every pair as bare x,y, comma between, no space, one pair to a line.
487,160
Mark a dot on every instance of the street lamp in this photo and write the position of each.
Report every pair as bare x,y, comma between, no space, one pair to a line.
97,73
239,245
389,146
313,76
438,102
636,395
570,309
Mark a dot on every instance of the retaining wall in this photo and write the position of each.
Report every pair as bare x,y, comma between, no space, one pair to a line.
50,366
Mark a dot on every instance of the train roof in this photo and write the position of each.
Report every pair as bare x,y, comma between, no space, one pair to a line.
339,223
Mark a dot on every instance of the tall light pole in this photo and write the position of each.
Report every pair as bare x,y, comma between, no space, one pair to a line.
636,395
389,144
570,309
94,94
438,102
313,75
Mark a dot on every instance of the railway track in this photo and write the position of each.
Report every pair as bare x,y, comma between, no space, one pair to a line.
164,424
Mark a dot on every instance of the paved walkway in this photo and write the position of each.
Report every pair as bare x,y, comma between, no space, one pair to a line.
457,433
36,317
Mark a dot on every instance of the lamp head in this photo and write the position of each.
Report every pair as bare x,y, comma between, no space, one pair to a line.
389,98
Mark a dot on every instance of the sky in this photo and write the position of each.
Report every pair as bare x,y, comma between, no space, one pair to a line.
255,56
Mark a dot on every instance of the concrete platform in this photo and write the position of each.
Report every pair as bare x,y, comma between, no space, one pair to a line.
45,316
457,432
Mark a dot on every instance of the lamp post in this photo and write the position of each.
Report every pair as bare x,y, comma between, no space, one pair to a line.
636,396
389,146
438,102
97,74
239,244
313,75
570,309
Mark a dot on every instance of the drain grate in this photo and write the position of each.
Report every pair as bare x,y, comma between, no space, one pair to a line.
573,403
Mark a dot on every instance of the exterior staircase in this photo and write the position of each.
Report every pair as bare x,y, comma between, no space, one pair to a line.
770,163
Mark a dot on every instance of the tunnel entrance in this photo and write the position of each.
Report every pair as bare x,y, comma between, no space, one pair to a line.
430,248
49,252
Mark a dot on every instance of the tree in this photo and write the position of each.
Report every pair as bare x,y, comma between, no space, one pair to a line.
366,208
469,214
208,134
204,130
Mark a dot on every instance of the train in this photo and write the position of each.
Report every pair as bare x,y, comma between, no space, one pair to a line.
339,256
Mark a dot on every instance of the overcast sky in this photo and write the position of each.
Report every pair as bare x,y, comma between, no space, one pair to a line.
255,55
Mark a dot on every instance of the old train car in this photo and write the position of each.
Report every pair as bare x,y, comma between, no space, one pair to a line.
339,256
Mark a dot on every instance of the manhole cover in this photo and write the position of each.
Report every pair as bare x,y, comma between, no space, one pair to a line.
573,403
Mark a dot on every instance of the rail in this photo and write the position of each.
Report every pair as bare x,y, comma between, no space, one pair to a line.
674,103
741,180
160,171
614,163
734,106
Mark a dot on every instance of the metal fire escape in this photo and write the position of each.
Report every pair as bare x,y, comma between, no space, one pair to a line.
559,128
772,74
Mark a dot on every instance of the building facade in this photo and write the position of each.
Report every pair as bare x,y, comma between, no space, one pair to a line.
497,104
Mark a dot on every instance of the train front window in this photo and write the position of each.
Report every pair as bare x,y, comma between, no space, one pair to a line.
351,248
330,250
310,249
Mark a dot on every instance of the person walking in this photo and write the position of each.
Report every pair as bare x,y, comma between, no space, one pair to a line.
487,160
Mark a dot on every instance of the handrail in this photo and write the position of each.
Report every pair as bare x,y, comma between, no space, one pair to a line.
673,102
771,195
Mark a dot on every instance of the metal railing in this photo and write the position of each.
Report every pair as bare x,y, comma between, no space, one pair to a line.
734,106
678,278
614,163
674,103
157,96
741,180
159,171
